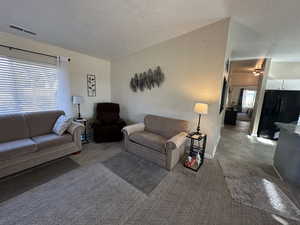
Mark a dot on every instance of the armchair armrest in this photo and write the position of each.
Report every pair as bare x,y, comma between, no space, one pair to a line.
176,141
75,129
134,128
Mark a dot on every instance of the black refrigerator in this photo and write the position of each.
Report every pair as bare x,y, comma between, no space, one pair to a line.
278,106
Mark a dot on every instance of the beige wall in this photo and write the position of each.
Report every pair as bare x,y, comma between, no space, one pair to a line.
80,66
193,65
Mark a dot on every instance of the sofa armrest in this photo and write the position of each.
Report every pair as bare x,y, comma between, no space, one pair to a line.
76,129
175,148
176,141
134,128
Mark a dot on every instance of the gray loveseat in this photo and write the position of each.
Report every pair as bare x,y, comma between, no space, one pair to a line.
159,139
26,140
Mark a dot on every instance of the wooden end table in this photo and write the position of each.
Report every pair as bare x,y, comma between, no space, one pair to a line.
84,137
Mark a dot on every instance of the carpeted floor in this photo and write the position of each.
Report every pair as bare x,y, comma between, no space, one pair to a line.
252,186
87,195
247,166
262,194
142,174
81,190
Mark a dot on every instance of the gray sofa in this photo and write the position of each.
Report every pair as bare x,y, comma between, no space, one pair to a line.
26,140
159,139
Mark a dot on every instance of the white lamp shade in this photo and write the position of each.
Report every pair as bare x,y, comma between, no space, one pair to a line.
201,108
77,100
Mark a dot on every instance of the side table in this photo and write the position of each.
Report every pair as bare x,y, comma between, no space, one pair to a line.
84,137
197,146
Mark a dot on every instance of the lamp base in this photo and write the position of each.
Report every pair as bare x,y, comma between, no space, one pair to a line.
79,117
198,126
195,133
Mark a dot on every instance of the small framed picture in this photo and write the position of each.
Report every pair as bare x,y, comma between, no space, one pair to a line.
91,85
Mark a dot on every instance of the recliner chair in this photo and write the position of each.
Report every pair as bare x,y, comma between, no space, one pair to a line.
108,124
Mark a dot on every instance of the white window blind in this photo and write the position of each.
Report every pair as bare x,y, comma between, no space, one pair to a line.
248,98
27,86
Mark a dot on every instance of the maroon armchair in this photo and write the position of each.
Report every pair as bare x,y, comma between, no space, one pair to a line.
108,124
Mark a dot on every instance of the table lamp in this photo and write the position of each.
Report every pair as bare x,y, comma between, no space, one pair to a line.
77,100
201,109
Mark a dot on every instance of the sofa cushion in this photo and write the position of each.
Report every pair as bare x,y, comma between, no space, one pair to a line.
41,123
13,127
61,125
12,149
166,127
150,140
51,140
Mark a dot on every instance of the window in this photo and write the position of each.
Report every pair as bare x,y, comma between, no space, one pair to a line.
248,98
27,86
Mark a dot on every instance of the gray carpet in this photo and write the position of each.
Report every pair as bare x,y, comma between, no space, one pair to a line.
85,192
142,174
31,178
247,186
88,195
262,194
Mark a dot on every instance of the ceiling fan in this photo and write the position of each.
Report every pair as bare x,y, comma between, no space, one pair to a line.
260,71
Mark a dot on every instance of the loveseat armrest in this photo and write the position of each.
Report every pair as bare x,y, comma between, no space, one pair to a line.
175,148
133,128
176,141
76,129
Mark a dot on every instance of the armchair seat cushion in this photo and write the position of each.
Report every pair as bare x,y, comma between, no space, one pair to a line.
49,140
150,140
12,149
109,129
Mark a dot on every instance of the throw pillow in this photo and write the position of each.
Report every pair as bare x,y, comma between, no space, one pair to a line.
61,125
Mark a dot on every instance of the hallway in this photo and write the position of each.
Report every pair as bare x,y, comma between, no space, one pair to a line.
245,157
237,145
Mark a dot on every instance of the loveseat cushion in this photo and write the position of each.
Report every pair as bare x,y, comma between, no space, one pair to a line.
13,127
51,140
166,127
12,149
41,123
150,140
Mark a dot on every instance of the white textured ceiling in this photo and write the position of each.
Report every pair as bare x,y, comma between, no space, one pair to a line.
265,28
114,28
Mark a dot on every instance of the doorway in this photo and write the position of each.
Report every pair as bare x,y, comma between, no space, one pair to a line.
243,86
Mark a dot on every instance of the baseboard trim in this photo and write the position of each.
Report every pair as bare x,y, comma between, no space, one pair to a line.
212,155
208,156
278,174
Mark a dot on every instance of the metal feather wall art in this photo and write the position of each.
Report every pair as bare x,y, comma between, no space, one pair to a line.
147,80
